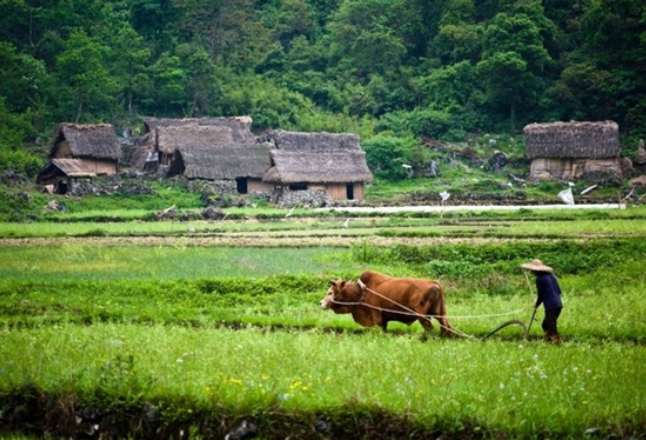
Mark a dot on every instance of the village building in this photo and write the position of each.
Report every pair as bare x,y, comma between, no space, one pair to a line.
328,162
225,150
163,136
243,164
573,150
80,151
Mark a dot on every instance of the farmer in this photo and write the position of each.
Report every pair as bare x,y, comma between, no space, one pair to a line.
549,294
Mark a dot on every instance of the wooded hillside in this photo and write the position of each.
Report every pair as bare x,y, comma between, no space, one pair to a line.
402,68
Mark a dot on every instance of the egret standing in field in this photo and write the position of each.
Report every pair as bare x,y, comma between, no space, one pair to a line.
409,170
629,194
289,214
444,195
345,224
566,196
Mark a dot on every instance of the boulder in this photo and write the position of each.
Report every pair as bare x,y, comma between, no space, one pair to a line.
640,155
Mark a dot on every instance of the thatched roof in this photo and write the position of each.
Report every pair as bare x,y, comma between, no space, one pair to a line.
226,162
73,167
318,167
311,142
64,167
169,139
575,140
97,141
240,125
316,158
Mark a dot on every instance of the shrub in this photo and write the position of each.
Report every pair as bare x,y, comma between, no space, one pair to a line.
386,155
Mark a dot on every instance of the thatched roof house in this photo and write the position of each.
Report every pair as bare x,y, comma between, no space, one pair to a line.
76,141
573,150
80,151
165,135
246,164
318,161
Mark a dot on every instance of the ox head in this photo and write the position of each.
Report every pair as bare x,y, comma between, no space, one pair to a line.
341,296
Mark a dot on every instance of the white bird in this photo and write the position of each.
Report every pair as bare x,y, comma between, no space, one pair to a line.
345,225
289,214
445,196
409,170
588,189
629,194
566,196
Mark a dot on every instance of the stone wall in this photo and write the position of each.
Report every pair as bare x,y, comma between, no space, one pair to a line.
311,198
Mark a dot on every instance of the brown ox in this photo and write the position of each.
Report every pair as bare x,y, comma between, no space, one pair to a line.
382,299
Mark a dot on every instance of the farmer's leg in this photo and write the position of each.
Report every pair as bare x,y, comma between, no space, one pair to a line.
549,323
550,326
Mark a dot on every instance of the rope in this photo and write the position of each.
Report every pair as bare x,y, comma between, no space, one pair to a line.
361,303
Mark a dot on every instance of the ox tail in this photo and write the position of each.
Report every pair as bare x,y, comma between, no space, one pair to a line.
440,311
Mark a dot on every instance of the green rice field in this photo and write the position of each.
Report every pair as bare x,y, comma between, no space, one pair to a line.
203,330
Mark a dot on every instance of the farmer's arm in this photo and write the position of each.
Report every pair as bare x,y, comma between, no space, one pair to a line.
541,288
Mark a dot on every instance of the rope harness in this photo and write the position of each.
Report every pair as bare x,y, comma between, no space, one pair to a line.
410,312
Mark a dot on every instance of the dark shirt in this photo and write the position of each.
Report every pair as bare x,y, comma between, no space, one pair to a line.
549,292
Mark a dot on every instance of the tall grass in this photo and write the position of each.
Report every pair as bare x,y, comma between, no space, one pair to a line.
181,332
592,313
76,261
511,387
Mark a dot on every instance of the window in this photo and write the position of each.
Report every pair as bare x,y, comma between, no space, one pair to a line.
298,186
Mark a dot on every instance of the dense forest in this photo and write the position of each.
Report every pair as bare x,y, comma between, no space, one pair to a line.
393,70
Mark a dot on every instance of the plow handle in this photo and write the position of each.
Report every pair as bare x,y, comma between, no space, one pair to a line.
531,320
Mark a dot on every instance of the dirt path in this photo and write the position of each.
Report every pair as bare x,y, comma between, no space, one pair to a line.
212,241
452,208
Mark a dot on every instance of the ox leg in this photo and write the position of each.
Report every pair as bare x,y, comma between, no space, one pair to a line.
427,324
440,315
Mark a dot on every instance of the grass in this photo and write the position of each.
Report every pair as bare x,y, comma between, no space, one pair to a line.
202,337
178,261
523,223
511,387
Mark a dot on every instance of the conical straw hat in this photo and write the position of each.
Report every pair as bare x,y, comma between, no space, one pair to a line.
537,266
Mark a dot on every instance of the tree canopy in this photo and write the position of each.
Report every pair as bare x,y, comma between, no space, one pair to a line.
424,67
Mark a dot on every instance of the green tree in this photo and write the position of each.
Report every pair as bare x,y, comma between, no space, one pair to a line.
385,156
451,87
293,19
14,131
21,77
157,21
130,65
363,41
82,70
458,37
199,79
228,29
513,61
168,94
617,43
